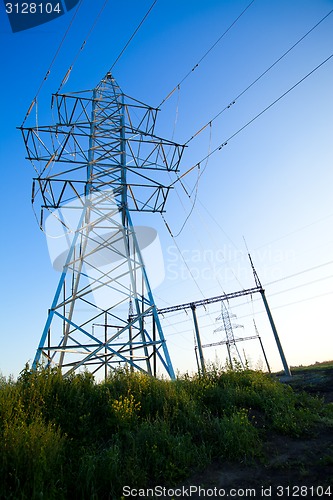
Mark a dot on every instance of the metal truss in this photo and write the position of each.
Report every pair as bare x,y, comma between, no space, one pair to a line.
230,342
96,164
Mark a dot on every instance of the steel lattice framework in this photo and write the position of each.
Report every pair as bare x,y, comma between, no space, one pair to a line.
99,162
230,341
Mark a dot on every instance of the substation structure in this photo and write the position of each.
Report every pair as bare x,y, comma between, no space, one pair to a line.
230,341
99,162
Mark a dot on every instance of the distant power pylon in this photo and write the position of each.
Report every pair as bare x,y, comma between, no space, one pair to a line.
230,342
99,162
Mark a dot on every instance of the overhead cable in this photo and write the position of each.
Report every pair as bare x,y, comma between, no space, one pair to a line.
285,290
209,123
295,231
182,257
295,287
258,78
224,143
52,62
195,189
133,34
258,300
299,273
205,54
68,72
288,304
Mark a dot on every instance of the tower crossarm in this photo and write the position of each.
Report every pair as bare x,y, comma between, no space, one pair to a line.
87,135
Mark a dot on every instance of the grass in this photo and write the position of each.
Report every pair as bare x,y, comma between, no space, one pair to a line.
324,365
73,438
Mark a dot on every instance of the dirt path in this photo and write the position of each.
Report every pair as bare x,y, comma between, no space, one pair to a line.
287,465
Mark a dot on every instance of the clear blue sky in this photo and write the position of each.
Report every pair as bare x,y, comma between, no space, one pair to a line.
272,183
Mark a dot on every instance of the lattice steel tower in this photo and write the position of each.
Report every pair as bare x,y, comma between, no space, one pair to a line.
230,341
99,162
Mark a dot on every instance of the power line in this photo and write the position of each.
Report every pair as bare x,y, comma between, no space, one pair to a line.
258,78
224,143
65,79
301,285
290,303
285,290
303,300
252,290
251,314
185,263
176,244
205,54
299,273
133,34
272,104
195,189
209,123
52,62
295,231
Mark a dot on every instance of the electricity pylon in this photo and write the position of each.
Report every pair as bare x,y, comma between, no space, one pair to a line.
99,162
230,341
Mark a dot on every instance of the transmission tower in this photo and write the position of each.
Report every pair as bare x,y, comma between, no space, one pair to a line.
230,341
98,163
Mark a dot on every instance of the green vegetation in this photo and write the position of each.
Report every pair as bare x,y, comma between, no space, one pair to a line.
74,438
324,365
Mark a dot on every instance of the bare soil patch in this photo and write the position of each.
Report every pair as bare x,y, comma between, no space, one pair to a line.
286,462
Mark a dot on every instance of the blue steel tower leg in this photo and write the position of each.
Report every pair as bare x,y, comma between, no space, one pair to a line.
167,360
129,230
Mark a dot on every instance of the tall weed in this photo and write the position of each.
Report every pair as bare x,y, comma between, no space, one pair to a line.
74,438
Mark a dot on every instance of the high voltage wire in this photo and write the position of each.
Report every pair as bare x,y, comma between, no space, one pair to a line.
225,142
218,148
300,272
184,260
205,55
52,62
287,289
291,303
272,104
65,79
258,312
209,123
133,34
186,265
266,284
197,165
295,231
121,52
258,299
277,293
233,101
301,285
67,75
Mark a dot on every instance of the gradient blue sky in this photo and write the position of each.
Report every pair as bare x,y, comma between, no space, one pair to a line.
271,184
